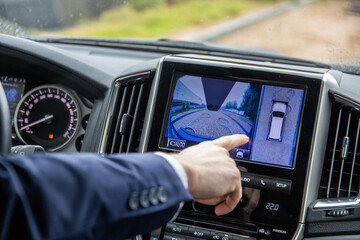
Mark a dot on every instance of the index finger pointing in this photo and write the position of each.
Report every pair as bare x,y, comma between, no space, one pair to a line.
229,142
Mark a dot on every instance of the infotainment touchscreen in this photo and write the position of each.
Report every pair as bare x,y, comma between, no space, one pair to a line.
205,108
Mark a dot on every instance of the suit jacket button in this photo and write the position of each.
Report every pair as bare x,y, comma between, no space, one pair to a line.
144,199
162,194
134,201
153,196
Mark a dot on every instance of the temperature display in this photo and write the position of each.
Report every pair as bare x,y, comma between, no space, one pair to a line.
272,206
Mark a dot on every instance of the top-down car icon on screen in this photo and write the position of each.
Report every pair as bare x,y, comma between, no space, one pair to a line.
277,118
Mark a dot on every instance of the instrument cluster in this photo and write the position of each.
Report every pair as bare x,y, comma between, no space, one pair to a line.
50,115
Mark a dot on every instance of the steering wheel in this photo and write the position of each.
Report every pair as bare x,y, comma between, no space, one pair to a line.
5,123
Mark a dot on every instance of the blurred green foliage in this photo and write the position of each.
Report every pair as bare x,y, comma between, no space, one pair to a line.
250,101
159,18
185,106
141,5
232,105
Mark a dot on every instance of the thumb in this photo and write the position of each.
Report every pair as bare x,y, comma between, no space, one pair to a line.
229,142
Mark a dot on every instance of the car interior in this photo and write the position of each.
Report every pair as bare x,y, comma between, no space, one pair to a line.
300,169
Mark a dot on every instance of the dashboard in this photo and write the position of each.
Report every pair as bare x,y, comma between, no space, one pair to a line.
300,169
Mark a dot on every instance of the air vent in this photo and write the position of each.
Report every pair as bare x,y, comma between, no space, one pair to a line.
126,113
341,173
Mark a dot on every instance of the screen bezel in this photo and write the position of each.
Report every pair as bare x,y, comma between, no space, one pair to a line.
266,72
178,74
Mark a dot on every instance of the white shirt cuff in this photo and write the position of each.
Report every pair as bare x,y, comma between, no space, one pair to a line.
180,171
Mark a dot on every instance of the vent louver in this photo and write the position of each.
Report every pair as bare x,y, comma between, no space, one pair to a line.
128,107
341,173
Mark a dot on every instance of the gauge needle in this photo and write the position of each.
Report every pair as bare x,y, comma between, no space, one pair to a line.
44,119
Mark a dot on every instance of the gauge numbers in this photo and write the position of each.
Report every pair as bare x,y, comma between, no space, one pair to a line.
47,116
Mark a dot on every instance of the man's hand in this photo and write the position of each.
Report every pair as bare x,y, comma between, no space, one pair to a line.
213,176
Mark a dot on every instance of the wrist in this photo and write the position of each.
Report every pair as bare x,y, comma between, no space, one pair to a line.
177,166
190,173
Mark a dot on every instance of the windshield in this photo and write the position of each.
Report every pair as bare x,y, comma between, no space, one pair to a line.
321,30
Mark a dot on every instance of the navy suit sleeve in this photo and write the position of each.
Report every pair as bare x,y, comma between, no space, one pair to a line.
85,196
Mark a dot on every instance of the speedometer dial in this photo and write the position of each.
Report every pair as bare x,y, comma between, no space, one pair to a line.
47,116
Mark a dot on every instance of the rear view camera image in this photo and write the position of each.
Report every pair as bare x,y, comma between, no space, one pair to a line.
205,108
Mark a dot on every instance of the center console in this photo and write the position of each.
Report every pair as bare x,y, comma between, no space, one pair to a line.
198,100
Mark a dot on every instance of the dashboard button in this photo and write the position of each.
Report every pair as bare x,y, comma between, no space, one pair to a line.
266,183
282,185
249,180
281,231
219,236
175,228
173,237
262,182
264,231
225,236
215,236
199,233
240,153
